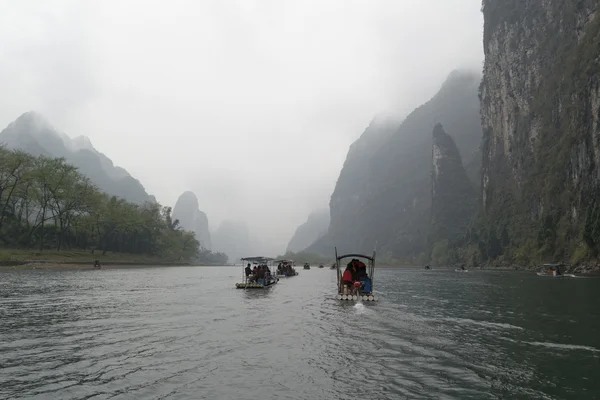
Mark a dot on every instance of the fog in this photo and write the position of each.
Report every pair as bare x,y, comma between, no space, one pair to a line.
250,104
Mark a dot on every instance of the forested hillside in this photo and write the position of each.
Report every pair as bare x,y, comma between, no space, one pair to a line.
46,203
33,134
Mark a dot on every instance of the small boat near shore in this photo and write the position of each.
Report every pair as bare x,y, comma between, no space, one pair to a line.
257,274
362,289
552,271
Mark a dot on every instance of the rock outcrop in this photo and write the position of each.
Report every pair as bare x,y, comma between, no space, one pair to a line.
540,107
306,234
33,134
383,195
453,198
187,211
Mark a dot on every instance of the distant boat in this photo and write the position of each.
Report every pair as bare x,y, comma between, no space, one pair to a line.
306,266
551,270
285,268
321,266
461,270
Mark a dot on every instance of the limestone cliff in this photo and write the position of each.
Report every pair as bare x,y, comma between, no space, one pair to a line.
187,211
383,195
453,198
306,234
540,108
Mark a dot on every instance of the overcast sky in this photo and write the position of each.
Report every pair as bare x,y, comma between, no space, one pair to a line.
251,104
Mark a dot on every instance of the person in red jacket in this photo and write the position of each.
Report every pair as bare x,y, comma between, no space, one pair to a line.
347,280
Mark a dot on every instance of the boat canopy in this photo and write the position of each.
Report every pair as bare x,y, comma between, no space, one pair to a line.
355,256
553,265
257,259
284,261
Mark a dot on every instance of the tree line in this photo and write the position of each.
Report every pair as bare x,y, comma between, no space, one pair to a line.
46,203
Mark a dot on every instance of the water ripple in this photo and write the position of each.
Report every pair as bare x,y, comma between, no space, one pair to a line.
185,333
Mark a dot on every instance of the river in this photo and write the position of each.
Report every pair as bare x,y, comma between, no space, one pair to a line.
186,333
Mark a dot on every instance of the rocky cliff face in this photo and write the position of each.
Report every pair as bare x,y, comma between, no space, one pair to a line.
187,211
383,194
540,105
33,134
453,198
306,234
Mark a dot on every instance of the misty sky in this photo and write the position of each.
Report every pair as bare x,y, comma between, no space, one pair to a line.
250,104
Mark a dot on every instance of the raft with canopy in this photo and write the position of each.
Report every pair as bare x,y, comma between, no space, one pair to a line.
262,279
363,288
552,270
285,268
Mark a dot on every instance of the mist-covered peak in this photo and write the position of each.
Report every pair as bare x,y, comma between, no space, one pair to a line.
32,133
33,120
460,80
191,218
188,199
310,231
80,143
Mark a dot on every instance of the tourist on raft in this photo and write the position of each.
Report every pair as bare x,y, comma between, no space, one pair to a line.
348,278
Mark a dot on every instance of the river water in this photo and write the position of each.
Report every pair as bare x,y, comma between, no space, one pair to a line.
186,333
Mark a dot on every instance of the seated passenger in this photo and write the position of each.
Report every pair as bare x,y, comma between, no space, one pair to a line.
361,269
347,281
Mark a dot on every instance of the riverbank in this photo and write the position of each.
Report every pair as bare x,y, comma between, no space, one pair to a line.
77,259
588,269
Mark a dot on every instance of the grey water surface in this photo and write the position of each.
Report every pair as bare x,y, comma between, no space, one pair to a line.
187,333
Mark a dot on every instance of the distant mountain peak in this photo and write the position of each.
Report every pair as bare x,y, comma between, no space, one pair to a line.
191,218
311,230
81,143
33,117
33,133
460,79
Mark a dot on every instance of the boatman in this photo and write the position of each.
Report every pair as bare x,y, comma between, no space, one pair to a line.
361,269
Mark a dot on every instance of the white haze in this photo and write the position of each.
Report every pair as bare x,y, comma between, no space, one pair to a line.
250,104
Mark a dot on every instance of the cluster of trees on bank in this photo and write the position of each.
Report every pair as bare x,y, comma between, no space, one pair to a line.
46,203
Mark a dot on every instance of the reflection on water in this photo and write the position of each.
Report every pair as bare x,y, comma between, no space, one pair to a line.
187,333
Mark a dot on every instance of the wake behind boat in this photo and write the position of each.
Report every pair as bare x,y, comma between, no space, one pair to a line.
355,282
257,274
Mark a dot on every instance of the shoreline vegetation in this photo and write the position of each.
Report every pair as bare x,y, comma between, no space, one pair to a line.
24,258
49,210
